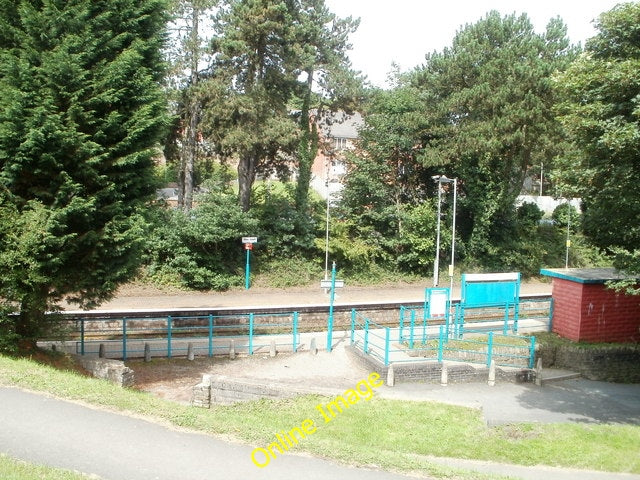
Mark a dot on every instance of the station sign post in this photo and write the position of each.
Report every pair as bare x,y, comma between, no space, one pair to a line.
248,246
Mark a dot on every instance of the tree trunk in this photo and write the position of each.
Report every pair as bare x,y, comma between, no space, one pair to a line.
246,177
31,321
192,120
307,150
190,152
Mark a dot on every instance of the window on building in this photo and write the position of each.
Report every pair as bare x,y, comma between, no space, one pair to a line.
339,143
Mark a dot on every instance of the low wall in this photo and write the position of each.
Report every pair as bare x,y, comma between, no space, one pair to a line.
114,371
223,390
609,363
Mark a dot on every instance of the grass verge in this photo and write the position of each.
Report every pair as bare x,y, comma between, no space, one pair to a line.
389,434
12,469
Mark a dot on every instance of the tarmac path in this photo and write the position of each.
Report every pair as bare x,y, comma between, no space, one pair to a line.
45,430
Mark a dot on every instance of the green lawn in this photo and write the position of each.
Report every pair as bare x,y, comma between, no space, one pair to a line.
390,434
11,469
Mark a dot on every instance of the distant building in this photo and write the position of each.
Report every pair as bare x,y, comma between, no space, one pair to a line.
338,132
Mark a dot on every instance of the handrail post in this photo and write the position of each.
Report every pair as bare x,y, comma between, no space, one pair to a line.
505,327
489,348
413,320
295,332
365,348
169,328
251,334
124,339
353,325
386,345
82,336
532,351
210,335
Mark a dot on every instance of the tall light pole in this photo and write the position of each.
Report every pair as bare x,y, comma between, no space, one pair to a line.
453,235
568,241
329,155
439,179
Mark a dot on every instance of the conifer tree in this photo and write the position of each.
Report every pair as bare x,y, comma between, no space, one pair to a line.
81,113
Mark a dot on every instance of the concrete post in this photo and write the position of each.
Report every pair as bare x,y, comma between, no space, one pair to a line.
147,352
313,347
190,354
391,376
444,376
101,351
492,373
232,349
539,372
272,348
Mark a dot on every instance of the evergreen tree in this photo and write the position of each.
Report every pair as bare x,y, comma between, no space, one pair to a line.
490,101
189,60
247,112
321,44
81,114
600,111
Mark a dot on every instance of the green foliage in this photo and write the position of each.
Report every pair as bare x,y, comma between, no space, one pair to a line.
600,112
354,252
491,117
200,249
81,114
286,272
566,214
282,229
416,242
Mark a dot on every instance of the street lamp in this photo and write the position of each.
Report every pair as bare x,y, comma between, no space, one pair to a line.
440,179
328,157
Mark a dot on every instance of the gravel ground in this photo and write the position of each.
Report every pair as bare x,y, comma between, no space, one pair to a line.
174,379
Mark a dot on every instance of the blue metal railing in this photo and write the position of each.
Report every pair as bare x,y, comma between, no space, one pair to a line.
175,335
375,340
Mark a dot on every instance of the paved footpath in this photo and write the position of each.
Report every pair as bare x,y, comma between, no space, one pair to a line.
48,431
44,430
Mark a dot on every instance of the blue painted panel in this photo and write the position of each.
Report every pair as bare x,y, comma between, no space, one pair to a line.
480,292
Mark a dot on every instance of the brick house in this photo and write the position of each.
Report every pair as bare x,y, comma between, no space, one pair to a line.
338,132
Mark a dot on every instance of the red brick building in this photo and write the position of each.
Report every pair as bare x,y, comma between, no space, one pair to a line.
584,309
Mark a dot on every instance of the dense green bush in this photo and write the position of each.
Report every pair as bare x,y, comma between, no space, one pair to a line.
201,249
284,232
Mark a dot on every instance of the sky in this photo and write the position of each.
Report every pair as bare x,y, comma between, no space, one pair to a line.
403,31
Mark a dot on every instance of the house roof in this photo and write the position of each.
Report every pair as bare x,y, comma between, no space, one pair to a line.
340,124
587,275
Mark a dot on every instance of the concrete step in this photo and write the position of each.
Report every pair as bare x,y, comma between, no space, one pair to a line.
556,375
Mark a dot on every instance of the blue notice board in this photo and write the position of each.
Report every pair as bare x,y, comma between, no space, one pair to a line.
490,289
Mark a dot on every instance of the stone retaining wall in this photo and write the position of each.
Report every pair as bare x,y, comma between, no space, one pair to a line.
609,363
221,389
114,371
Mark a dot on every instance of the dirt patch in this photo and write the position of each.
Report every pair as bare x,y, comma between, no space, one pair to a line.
174,379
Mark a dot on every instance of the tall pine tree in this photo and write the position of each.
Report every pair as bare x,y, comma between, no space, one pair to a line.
81,113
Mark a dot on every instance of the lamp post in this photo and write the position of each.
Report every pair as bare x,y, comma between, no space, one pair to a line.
329,155
440,179
453,235
568,241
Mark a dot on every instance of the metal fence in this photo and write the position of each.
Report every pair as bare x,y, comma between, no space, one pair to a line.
418,338
415,323
175,335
